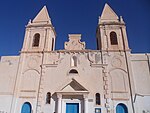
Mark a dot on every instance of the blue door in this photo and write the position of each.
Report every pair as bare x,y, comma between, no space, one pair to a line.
72,107
26,108
121,108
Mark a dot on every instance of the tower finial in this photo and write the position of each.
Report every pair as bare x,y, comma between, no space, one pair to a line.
121,19
29,21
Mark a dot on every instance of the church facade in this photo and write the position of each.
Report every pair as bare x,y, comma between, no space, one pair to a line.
75,80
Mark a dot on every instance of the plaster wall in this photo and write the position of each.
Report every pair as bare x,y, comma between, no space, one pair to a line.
142,104
8,70
141,74
89,77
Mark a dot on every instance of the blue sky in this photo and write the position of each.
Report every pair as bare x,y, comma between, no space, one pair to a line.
73,16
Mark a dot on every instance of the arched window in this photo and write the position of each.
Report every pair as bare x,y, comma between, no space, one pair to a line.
121,108
26,108
52,44
73,71
97,95
36,40
113,38
74,61
48,98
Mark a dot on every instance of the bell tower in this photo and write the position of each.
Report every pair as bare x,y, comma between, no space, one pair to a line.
39,40
40,34
111,31
113,44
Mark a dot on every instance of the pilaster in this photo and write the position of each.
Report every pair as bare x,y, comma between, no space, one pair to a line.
59,107
40,101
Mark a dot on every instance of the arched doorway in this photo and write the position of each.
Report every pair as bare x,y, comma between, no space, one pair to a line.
121,108
26,108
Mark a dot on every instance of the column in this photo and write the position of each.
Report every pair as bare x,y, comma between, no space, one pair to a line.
59,97
85,103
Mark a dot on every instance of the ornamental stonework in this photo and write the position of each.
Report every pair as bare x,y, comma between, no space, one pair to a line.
74,42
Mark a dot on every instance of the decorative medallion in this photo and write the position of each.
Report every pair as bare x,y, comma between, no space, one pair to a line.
32,62
116,62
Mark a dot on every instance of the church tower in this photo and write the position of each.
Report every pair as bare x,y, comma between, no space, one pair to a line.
38,41
113,44
111,32
40,34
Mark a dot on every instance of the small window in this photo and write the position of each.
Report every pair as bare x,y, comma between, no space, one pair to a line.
73,71
52,44
48,98
113,38
36,40
74,61
97,98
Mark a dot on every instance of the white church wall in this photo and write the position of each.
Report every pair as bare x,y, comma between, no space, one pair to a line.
142,104
141,75
57,76
27,88
6,101
60,75
8,70
118,80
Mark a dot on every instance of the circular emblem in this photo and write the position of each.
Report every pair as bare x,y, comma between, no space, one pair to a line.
116,62
32,63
